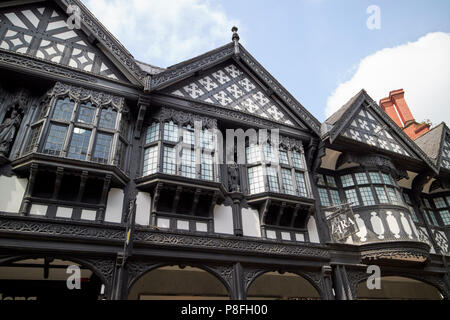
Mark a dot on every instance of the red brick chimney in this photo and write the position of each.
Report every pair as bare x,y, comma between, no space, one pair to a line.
397,109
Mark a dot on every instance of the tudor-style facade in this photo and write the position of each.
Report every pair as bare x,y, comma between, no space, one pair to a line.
91,139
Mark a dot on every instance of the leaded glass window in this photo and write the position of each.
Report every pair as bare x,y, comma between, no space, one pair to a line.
207,139
55,139
188,135
272,177
150,160
393,195
352,197
323,194
33,139
297,159
335,198
187,163
79,144
86,114
63,109
386,178
375,177
102,148
347,180
256,179
170,132
169,160
439,203
253,154
207,172
367,196
301,184
286,176
108,118
152,134
445,216
381,193
361,178
284,157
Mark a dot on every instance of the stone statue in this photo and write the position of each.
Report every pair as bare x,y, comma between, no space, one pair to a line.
233,178
8,131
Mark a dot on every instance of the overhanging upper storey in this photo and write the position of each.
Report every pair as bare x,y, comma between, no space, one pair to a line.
229,77
362,123
43,31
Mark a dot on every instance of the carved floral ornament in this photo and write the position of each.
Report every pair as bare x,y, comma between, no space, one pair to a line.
184,118
81,94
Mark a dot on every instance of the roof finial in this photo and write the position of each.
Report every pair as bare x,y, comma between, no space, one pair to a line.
235,39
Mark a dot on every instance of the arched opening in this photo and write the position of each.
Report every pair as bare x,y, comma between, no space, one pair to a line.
286,286
399,288
48,279
176,283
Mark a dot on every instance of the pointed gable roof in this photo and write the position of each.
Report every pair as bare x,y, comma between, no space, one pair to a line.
436,144
198,66
362,120
39,29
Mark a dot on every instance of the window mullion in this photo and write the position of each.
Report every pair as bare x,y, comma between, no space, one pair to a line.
69,131
112,154
93,135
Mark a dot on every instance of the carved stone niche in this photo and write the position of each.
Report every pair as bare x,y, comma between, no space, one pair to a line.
16,107
373,161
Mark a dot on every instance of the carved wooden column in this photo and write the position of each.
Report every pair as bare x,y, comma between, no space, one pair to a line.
58,180
327,283
156,195
238,291
101,211
83,179
342,286
26,203
237,197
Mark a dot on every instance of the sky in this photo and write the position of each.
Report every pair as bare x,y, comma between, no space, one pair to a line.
322,51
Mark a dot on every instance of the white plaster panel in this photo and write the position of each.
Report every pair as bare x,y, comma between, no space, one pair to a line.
63,212
286,236
312,231
223,219
182,224
300,237
250,223
11,195
143,205
88,215
163,223
201,227
38,210
270,234
114,206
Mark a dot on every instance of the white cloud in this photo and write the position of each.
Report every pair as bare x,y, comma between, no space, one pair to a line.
165,32
421,68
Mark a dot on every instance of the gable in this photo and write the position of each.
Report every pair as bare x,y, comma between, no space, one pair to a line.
368,128
445,156
40,30
228,86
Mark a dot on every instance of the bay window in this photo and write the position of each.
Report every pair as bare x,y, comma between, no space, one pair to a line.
177,149
80,129
285,176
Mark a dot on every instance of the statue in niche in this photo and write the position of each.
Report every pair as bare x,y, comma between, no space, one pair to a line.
233,178
8,130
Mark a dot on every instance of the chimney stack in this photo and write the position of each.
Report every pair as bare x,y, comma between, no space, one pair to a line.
397,109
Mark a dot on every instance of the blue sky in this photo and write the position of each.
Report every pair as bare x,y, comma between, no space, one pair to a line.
315,48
